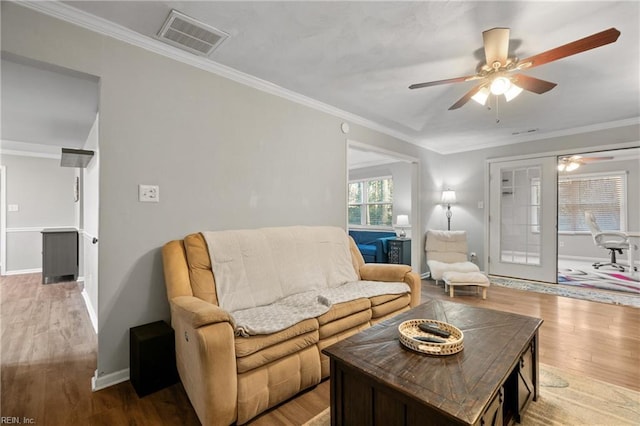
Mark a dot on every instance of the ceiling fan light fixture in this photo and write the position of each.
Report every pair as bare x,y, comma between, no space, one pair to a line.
500,85
481,96
572,166
512,92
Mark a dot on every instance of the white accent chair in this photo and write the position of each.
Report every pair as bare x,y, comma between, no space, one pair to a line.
447,251
610,240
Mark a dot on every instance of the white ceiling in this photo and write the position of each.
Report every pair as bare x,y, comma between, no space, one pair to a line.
44,106
360,57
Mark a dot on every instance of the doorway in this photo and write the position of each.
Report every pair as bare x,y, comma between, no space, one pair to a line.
603,182
372,160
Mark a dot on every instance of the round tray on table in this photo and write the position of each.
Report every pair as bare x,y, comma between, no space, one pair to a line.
409,329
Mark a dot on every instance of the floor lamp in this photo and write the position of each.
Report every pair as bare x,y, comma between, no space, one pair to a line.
448,198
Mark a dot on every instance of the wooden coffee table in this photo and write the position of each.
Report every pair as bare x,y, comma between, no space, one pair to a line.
375,380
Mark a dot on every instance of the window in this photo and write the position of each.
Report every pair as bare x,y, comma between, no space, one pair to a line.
371,202
602,194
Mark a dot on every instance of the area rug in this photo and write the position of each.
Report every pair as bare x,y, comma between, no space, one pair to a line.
567,399
594,295
600,279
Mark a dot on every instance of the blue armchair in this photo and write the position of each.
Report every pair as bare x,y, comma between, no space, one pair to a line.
372,244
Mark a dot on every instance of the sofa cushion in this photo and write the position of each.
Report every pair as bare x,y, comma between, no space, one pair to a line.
248,345
359,289
257,267
391,306
384,298
341,310
279,315
346,323
275,352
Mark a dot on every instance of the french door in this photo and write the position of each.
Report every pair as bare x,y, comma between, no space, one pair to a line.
522,219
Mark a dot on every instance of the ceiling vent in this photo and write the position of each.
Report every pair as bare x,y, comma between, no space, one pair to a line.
186,33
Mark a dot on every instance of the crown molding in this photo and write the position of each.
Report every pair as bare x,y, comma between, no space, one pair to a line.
99,25
549,135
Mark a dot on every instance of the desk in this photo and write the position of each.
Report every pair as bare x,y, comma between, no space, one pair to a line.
634,242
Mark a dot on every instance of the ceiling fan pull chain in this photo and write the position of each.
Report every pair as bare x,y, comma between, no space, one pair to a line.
497,109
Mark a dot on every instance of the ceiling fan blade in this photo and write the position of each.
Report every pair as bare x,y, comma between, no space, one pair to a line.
463,100
496,45
533,84
439,82
591,42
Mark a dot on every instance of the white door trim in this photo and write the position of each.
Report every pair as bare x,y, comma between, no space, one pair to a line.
3,219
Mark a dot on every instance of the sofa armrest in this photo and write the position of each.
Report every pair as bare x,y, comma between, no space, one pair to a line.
206,358
198,313
394,273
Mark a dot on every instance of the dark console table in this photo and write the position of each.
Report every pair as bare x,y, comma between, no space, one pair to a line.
59,253
400,251
375,380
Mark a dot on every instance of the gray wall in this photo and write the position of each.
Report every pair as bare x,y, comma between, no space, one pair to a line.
224,155
401,173
465,172
43,192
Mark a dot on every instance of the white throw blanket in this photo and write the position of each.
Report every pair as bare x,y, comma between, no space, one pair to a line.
260,266
272,278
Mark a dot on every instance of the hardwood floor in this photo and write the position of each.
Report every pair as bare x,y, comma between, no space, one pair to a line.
48,355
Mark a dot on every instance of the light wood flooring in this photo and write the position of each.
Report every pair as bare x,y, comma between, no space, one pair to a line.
48,355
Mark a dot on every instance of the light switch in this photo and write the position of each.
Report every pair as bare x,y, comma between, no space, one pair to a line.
481,204
12,208
149,193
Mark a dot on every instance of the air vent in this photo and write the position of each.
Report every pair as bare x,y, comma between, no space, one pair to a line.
193,36
75,157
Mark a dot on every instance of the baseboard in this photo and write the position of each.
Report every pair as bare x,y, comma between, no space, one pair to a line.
90,310
24,271
107,380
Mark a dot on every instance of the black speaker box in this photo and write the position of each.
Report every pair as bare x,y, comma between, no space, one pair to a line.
152,357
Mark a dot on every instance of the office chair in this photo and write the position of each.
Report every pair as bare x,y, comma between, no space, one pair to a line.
610,240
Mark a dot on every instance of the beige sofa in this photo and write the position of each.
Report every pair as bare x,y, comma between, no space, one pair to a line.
232,378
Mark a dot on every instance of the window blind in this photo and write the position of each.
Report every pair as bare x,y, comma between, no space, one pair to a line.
603,195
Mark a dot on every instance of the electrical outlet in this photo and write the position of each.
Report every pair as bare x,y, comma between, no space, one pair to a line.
149,193
560,243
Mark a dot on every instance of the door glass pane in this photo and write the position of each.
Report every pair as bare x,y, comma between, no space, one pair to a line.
520,215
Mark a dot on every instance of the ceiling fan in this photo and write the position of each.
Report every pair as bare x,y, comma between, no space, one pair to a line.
499,75
569,164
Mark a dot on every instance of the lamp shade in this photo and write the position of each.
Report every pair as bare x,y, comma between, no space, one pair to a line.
402,220
448,197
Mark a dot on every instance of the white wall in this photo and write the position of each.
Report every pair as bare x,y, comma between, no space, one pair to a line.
224,155
43,192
